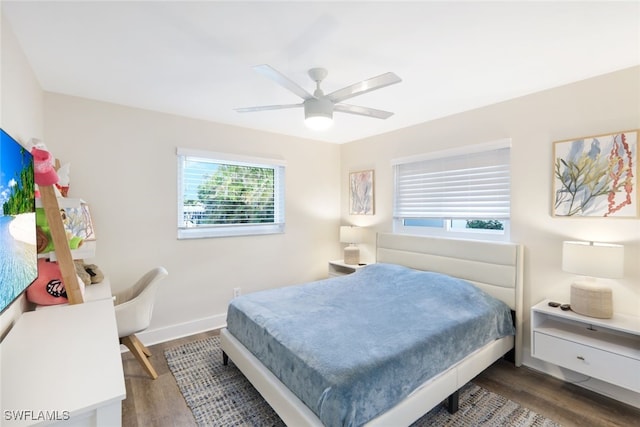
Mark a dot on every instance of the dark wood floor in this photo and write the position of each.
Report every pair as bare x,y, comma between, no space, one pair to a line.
158,403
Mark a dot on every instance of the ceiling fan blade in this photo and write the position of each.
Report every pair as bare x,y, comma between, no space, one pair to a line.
266,107
362,111
282,80
364,86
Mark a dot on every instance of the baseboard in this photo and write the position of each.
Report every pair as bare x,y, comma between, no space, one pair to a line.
607,389
168,333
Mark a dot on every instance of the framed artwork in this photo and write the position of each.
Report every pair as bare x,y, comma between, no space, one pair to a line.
76,220
596,176
361,193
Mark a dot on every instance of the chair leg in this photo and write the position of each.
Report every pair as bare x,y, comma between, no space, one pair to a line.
135,346
145,350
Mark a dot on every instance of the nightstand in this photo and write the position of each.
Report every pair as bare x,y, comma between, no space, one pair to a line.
606,349
339,268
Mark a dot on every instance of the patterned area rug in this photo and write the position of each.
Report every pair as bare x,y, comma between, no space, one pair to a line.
220,395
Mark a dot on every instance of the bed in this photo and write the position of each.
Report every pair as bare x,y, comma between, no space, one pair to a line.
494,268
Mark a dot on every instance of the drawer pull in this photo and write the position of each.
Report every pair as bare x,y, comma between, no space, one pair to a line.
580,358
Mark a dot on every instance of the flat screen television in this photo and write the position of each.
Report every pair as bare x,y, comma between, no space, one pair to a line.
18,249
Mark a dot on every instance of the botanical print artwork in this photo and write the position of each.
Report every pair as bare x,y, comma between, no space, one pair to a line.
597,176
361,193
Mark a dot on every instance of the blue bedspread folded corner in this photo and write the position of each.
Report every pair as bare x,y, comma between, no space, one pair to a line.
351,347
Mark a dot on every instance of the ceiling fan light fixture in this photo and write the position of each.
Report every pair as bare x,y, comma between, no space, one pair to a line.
318,122
318,113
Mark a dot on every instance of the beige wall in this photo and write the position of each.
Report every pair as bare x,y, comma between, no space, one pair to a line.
600,105
123,163
21,116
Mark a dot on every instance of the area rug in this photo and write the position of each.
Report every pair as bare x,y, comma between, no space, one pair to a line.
220,395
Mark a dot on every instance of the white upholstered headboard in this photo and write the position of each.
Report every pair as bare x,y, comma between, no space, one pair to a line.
495,267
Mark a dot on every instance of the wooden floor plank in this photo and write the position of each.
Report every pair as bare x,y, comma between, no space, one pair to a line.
160,403
565,403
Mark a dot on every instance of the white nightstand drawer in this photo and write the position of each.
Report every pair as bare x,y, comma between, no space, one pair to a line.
604,365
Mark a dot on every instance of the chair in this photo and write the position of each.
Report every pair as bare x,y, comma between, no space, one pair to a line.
133,314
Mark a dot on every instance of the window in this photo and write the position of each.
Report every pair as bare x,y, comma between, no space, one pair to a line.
226,195
463,192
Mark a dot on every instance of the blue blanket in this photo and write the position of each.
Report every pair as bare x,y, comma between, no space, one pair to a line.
352,347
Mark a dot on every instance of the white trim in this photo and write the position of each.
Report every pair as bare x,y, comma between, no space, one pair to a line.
229,231
468,233
229,157
457,151
180,330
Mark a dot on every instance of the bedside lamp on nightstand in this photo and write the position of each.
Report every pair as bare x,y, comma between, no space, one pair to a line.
351,235
588,297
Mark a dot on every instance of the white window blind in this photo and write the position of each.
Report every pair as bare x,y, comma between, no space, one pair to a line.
227,195
473,185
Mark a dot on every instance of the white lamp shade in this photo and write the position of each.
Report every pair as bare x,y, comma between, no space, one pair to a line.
351,234
591,259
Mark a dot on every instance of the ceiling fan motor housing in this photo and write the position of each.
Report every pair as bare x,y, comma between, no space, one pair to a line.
318,107
318,74
318,113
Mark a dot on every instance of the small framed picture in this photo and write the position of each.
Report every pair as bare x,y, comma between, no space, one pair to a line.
77,221
361,193
596,176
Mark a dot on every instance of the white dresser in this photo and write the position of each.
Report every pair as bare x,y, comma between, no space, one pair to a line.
62,366
606,349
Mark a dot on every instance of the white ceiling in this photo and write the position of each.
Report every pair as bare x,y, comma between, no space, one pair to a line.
194,58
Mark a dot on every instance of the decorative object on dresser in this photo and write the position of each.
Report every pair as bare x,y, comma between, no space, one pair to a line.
593,260
351,235
45,178
77,224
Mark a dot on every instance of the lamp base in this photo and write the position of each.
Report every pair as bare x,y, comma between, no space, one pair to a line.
351,255
591,299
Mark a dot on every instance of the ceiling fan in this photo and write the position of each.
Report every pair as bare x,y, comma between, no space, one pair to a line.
318,107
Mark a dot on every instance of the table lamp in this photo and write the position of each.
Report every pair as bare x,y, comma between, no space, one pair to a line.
592,260
351,235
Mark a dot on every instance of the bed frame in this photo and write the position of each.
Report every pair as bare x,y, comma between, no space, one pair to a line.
494,267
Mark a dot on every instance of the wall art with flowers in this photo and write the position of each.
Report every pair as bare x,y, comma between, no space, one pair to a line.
361,193
596,176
